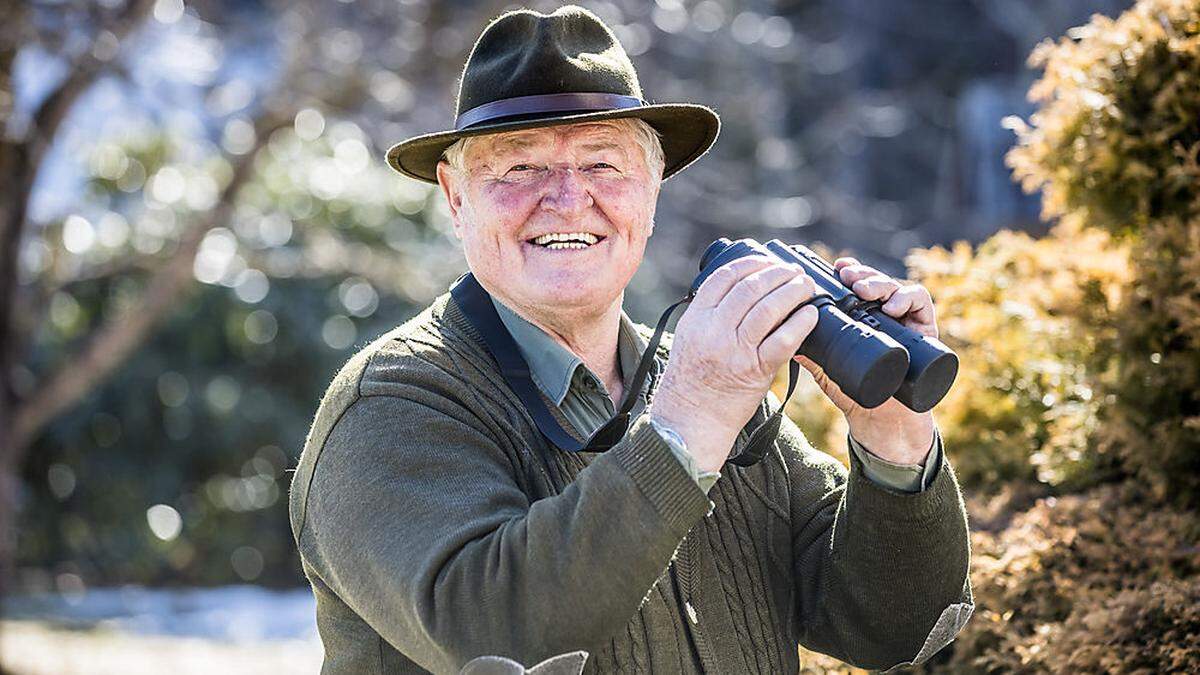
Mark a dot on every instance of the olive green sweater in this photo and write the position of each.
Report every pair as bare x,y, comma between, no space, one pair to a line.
435,525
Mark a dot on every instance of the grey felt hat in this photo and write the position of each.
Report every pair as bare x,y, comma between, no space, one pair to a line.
531,70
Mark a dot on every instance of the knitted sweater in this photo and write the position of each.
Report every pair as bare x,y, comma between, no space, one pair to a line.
436,524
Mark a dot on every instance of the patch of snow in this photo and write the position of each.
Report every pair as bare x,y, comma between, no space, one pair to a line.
237,614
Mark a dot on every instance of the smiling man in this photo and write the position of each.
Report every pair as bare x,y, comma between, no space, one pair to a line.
554,222
453,500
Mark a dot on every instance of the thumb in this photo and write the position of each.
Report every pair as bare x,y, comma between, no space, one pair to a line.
811,366
831,389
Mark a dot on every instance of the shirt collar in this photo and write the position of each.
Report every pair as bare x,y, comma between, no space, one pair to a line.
553,366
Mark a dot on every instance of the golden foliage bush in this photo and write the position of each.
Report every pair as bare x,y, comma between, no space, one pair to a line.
1088,583
1115,144
1025,316
1080,367
1154,425
1115,137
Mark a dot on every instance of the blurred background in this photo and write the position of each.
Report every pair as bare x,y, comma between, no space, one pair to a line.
197,229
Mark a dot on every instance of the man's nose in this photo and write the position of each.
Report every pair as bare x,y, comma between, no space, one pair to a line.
567,191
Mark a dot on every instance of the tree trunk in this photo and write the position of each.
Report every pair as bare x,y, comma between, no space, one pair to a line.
20,160
12,217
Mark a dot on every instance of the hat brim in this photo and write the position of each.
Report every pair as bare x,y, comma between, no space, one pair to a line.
687,131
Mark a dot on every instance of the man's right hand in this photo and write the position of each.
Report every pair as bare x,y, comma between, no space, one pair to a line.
728,346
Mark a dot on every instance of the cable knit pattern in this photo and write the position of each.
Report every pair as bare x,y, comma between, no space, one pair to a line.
437,525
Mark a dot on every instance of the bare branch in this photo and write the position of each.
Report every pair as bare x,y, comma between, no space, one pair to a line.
84,69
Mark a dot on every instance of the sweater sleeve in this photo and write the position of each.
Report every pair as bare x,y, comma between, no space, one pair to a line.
415,519
881,575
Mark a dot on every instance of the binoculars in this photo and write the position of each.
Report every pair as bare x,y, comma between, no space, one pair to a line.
871,356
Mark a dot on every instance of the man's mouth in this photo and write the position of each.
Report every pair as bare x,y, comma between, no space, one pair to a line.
566,240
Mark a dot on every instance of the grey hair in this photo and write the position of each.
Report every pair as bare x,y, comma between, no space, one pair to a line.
646,136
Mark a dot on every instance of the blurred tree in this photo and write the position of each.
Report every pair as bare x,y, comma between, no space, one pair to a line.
288,189
22,150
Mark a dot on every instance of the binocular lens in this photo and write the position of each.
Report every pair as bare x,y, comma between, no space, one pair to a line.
935,371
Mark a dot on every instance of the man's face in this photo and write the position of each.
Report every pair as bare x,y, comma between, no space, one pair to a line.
586,180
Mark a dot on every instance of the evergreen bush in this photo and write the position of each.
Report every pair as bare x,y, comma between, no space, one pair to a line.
1115,145
1025,316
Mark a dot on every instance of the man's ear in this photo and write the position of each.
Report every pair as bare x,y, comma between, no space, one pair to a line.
653,209
452,188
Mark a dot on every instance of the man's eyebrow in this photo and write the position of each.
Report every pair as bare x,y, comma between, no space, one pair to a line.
525,142
513,143
602,145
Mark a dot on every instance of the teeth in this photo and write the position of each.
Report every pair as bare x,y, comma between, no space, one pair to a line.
585,237
563,245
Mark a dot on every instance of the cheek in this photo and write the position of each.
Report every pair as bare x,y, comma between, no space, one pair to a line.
500,215
508,200
629,208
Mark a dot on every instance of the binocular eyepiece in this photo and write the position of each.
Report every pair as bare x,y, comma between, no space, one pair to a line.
871,356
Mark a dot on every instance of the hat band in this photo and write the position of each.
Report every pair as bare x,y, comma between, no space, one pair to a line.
544,103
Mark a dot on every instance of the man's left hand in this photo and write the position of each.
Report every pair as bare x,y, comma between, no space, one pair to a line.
890,431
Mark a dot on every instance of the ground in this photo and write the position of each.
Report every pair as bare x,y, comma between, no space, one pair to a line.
38,648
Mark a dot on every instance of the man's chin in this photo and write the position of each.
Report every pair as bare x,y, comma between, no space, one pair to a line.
571,293
571,296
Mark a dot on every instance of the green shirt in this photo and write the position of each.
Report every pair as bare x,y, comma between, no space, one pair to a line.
585,401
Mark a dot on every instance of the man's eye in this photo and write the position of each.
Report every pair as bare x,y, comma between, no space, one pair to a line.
603,165
521,167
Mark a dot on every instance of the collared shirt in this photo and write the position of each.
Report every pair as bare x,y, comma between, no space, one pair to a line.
584,400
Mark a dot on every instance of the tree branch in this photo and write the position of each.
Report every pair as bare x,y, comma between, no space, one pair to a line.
20,162
84,69
108,347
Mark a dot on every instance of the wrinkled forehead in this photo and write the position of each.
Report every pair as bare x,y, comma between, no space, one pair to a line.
592,135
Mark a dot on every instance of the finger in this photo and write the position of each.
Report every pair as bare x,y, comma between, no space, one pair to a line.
726,276
774,308
844,261
914,305
817,372
750,290
783,342
851,273
878,287
810,365
827,385
906,299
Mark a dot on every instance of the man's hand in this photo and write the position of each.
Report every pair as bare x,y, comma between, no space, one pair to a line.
890,431
728,346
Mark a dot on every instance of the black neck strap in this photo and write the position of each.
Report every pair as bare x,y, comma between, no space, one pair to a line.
477,306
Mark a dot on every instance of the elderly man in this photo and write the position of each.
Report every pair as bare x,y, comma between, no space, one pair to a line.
447,504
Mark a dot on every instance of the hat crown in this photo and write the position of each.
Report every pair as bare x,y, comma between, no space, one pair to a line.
526,53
